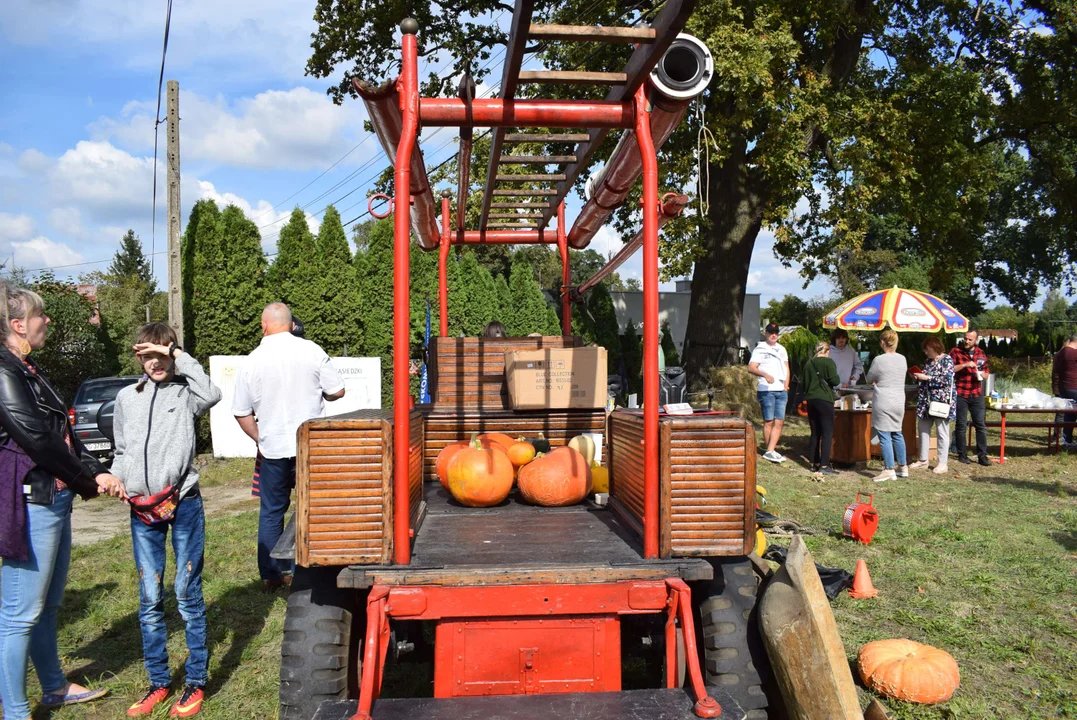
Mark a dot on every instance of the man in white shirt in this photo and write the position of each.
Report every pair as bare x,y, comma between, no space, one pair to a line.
284,383
770,363
850,366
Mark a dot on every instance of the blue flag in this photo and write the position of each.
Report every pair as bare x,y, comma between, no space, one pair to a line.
424,387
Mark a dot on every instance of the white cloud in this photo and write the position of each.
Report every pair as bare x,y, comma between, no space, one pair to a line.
277,129
66,220
102,179
15,228
269,220
42,252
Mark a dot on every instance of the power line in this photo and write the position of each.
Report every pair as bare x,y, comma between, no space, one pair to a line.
156,124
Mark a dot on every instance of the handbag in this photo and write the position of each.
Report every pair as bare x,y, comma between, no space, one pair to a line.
938,409
157,508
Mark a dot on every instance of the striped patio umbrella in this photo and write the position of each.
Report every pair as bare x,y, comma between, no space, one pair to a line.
903,310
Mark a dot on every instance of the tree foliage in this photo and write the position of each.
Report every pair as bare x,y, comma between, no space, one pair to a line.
337,327
293,278
958,118
77,347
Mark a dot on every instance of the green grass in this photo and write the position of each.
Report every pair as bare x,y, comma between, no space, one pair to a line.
982,563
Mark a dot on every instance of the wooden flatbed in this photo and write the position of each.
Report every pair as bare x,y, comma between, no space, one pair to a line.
625,705
516,543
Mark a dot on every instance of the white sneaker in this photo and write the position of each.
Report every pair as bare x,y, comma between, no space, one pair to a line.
773,456
941,469
918,465
902,471
884,476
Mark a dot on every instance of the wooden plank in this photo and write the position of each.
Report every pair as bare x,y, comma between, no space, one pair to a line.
572,77
546,138
510,74
592,33
387,493
536,159
515,216
535,177
511,226
520,205
302,499
665,524
525,192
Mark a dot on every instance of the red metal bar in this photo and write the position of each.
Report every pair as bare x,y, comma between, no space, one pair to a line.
434,602
526,113
706,706
505,237
623,168
566,278
443,270
672,206
671,640
409,110
650,326
383,105
377,626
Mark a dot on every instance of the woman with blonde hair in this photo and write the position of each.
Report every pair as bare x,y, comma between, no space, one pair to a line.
887,375
820,378
936,390
43,465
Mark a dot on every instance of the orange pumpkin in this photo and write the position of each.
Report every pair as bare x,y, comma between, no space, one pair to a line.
907,670
500,438
479,476
559,478
449,452
521,452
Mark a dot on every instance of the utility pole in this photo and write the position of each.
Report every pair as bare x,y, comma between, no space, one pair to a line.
175,296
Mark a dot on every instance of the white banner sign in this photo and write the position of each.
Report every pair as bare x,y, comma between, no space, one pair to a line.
362,383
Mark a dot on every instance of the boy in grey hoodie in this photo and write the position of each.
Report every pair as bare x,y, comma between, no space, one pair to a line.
155,448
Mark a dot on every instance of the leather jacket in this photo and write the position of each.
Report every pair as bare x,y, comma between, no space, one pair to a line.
33,415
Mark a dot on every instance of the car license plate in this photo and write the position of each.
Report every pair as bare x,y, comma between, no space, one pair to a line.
94,447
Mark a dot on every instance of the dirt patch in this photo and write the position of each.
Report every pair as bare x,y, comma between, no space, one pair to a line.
104,518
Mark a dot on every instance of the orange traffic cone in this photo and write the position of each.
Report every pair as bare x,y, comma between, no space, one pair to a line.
862,587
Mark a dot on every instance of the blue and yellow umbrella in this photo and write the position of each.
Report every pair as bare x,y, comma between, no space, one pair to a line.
903,310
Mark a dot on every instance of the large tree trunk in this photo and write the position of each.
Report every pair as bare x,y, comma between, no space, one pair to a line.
735,216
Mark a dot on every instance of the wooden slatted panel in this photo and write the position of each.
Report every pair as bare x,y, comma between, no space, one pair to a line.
344,488
470,372
448,425
707,482
711,486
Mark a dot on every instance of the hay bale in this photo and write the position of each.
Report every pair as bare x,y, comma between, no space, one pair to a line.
735,390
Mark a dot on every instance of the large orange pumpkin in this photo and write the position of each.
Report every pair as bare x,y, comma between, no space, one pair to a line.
907,670
500,438
561,477
449,452
479,476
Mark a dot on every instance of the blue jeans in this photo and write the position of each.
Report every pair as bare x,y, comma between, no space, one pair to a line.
31,595
275,485
773,403
893,444
188,543
1071,394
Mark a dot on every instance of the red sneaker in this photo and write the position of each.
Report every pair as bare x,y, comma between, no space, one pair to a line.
148,702
189,703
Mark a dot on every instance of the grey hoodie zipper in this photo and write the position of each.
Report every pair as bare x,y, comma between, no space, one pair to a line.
146,446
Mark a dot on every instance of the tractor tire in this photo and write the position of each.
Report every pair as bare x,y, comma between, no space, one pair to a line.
323,628
733,655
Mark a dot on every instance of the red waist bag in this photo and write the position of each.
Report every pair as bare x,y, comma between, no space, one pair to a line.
157,508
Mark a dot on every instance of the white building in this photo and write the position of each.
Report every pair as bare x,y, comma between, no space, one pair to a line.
673,308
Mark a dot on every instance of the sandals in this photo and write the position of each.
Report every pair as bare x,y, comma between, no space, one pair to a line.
52,700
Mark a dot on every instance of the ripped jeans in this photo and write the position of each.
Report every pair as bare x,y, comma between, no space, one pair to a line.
188,543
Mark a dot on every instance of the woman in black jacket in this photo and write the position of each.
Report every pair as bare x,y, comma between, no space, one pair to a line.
42,466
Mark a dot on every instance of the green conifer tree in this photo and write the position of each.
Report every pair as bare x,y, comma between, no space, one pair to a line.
528,312
241,279
632,355
205,320
293,276
188,252
374,280
337,324
503,296
669,347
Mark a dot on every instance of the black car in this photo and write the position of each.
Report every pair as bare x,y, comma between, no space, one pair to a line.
93,402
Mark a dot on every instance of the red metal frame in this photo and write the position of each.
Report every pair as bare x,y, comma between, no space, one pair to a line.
523,113
566,277
454,607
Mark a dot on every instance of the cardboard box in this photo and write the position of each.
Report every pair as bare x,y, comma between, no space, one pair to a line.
556,378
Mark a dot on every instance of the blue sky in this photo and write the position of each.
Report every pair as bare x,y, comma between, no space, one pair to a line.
78,88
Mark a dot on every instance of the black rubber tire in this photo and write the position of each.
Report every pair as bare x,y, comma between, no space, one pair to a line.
734,658
323,628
